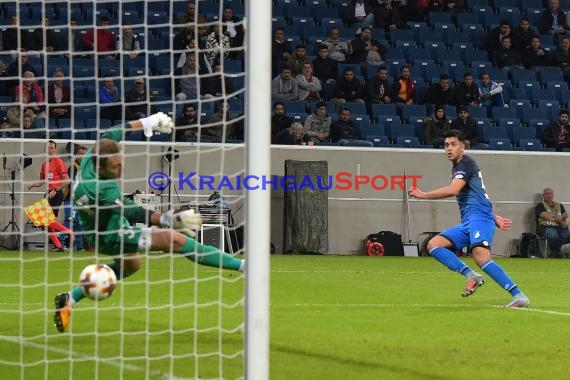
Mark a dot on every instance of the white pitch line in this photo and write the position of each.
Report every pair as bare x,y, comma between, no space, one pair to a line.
112,362
418,306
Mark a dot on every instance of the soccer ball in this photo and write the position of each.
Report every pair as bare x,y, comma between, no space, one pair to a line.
97,281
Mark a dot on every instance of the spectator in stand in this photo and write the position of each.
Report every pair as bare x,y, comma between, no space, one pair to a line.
378,88
105,39
217,84
190,17
490,93
201,61
110,101
467,92
359,14
36,40
188,125
30,92
17,68
138,94
59,97
440,93
522,35
535,55
233,29
128,43
280,50
557,134
561,57
404,89
76,39
387,16
345,130
185,38
318,123
348,89
217,45
297,135
338,50
298,59
223,124
6,130
553,19
280,122
187,79
3,77
552,222
506,57
495,39
366,50
30,128
284,86
435,127
10,35
467,125
309,86
325,68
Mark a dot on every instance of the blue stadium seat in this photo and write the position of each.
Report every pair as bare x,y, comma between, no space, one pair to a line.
379,110
488,133
401,35
294,106
520,133
370,129
417,28
552,109
534,113
522,75
408,141
477,112
442,55
529,144
518,105
503,113
500,143
378,140
389,122
543,94
413,111
508,123
439,17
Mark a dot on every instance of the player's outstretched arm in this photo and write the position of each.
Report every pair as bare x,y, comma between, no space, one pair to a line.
503,224
158,122
452,190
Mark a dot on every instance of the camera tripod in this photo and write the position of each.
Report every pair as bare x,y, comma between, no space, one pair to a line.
12,228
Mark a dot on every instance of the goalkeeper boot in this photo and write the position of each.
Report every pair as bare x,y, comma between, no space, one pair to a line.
520,300
62,314
474,281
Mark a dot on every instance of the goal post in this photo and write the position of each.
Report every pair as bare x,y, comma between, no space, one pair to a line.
173,318
258,212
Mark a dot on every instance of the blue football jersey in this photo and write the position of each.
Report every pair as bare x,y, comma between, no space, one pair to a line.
474,203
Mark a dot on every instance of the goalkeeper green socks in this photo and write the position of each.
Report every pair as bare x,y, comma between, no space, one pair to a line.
209,256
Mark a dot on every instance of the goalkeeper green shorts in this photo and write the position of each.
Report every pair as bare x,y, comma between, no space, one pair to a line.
126,240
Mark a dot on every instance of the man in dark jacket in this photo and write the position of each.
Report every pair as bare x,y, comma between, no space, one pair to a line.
279,122
378,88
345,128
466,124
324,67
440,93
467,92
348,89
535,55
557,134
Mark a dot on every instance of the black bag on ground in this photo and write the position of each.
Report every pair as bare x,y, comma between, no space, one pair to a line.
391,241
528,245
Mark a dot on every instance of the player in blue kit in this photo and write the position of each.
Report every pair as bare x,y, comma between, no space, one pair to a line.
477,227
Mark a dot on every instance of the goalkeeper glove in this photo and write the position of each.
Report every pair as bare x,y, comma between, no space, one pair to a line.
186,222
159,122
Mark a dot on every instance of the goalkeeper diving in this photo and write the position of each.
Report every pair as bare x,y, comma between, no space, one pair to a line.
108,218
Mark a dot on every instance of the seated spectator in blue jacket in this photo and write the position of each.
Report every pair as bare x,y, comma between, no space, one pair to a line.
110,100
490,93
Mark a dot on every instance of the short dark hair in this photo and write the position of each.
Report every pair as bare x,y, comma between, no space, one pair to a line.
467,74
189,105
320,104
323,46
443,76
504,22
278,103
455,133
562,112
52,142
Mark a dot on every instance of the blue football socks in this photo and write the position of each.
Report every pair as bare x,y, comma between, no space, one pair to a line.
501,277
450,260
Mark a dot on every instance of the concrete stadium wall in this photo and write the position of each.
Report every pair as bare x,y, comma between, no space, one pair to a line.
513,180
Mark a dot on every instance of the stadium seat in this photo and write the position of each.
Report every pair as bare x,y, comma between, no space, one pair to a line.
521,133
369,129
403,130
503,113
378,141
500,143
407,141
379,110
413,111
529,144
552,109
389,122
508,123
488,133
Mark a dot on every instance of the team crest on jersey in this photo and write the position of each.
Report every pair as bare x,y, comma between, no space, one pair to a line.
476,234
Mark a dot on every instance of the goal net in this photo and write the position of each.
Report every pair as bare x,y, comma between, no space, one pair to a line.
69,72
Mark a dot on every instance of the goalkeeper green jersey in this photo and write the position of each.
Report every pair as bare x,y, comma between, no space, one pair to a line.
105,214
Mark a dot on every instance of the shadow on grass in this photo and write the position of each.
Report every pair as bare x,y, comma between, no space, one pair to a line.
365,364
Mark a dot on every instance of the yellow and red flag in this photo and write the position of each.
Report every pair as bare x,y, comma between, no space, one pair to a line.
40,213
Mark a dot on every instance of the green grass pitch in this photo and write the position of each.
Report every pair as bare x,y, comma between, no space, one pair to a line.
332,317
